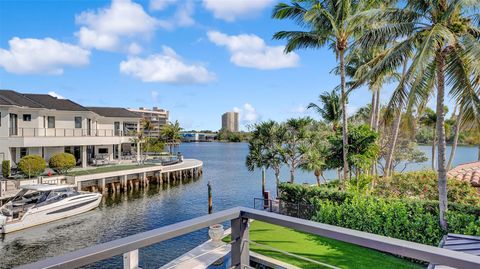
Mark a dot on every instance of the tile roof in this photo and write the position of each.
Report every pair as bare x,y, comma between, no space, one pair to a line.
14,98
51,102
114,112
9,97
469,172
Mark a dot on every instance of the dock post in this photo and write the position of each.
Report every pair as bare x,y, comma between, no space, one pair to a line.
103,186
168,177
145,179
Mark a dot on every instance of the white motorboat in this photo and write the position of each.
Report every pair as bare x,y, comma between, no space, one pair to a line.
42,203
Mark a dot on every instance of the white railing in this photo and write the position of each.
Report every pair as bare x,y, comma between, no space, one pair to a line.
65,132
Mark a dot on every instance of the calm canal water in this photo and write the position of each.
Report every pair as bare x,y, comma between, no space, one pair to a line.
124,215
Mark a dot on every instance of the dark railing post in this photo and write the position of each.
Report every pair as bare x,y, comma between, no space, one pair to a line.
240,250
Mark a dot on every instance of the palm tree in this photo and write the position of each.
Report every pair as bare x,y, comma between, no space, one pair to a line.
314,159
171,134
296,143
264,148
445,46
332,23
328,108
147,126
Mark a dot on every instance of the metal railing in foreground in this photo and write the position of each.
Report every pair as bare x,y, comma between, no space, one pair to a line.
239,217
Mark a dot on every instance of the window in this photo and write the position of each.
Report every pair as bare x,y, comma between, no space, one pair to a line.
27,117
51,122
103,150
23,152
78,122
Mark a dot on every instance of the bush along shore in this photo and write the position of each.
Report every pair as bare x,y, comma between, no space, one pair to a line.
408,210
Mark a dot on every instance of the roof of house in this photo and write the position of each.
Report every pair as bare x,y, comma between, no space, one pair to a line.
469,172
9,97
51,102
114,112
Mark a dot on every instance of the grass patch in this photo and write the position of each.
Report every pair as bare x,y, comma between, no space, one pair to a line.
329,251
107,169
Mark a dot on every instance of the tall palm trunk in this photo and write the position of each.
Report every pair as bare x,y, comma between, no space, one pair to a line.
434,143
442,173
344,114
377,111
317,174
292,174
372,109
277,179
395,129
455,138
393,143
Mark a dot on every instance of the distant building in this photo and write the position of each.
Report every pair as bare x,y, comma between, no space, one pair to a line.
40,124
158,117
198,137
230,121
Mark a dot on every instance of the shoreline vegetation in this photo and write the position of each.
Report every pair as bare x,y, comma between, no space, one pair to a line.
429,51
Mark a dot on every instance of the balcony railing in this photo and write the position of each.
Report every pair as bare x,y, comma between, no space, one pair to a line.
65,132
240,257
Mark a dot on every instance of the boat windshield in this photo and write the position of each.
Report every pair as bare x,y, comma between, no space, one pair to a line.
56,195
26,197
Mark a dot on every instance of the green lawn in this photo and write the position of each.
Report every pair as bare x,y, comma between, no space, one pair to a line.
321,249
106,169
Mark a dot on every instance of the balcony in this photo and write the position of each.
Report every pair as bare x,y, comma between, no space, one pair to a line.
240,254
66,132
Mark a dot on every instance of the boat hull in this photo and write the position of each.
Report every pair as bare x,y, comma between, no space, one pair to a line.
40,215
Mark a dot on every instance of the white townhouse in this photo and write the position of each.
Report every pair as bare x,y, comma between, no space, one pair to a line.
43,125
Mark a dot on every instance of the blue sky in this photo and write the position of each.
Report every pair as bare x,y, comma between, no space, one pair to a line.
197,59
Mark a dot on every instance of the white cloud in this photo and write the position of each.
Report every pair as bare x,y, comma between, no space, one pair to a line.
161,4
248,114
231,10
37,56
56,95
167,67
299,109
184,13
134,49
103,28
249,50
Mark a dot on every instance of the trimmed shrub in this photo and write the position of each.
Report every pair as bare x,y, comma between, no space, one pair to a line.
32,165
62,162
6,170
404,218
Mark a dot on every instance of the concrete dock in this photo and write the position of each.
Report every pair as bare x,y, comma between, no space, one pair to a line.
116,181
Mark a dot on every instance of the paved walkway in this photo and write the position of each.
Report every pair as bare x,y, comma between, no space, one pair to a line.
469,172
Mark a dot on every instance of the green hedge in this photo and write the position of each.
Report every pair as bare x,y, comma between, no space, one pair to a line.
62,162
6,170
410,219
32,165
